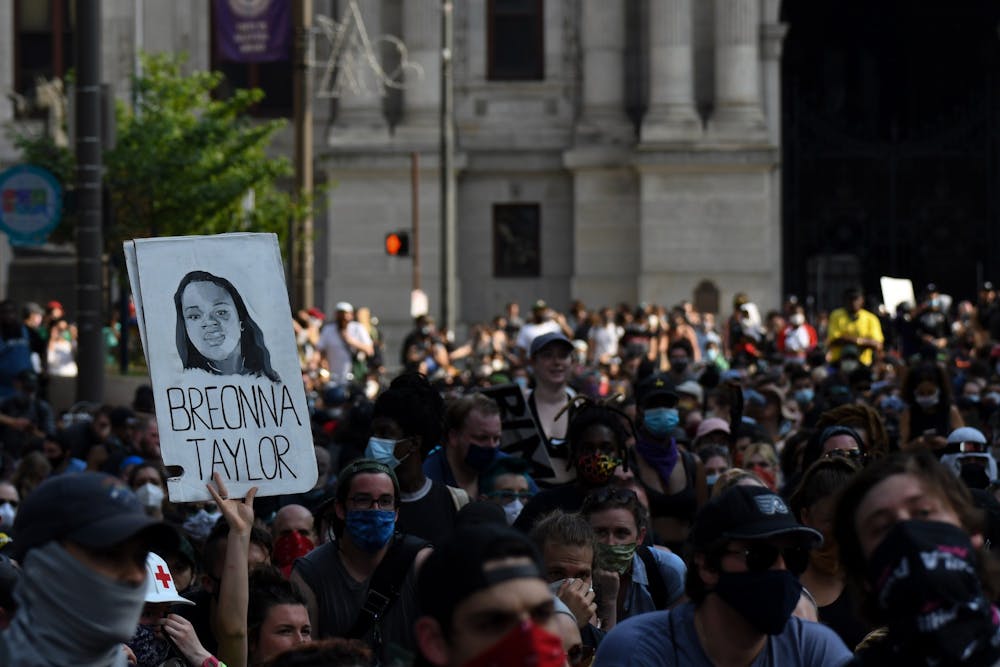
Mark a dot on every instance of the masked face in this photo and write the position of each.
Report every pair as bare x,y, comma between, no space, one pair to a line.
383,450
924,577
660,422
751,584
515,640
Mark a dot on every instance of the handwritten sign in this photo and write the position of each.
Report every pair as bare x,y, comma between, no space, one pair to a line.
216,329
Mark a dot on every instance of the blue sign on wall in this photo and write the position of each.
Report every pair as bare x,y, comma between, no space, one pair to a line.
30,204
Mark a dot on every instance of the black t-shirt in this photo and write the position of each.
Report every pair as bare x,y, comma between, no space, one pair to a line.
432,517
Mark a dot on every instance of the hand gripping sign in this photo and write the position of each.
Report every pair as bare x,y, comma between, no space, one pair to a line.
216,329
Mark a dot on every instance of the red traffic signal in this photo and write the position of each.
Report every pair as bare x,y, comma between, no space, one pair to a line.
397,244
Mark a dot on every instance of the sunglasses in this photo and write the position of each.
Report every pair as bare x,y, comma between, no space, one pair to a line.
610,493
762,556
855,455
580,655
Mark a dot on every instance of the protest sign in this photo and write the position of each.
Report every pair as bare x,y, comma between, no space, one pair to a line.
521,436
216,329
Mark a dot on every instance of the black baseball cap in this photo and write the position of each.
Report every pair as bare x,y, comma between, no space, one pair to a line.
656,386
92,509
748,513
455,570
552,338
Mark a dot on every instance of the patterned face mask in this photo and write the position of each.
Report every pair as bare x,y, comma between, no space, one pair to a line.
597,468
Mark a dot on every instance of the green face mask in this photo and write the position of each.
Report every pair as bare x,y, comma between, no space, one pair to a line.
615,557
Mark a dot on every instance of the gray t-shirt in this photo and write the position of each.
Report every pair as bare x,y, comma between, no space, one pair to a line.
668,639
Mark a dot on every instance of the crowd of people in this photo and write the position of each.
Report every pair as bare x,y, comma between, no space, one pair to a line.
624,486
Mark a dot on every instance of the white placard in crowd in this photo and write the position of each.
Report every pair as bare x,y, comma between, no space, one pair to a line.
216,330
896,291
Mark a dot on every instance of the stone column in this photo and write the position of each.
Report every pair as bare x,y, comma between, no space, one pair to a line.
672,115
737,113
771,41
360,118
602,44
421,97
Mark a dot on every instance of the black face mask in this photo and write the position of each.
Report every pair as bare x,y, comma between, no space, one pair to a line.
765,599
924,575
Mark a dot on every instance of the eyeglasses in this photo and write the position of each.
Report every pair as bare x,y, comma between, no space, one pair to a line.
855,455
580,655
761,556
510,496
363,501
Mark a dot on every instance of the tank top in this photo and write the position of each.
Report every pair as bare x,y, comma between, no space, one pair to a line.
681,505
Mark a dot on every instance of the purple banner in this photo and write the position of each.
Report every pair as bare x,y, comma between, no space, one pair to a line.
253,31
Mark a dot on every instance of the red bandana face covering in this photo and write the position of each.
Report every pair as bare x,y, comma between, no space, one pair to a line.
526,645
287,548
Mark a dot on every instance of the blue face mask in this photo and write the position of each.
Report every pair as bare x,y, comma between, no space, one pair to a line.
370,529
710,480
480,458
661,421
383,450
804,396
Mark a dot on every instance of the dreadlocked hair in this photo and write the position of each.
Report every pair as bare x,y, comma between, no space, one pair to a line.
586,412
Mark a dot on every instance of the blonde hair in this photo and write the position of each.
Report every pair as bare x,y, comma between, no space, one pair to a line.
734,477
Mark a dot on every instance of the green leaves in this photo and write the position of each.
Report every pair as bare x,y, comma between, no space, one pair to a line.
184,161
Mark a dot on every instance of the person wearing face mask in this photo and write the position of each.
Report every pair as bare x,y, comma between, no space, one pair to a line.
596,438
406,426
674,479
149,483
930,414
163,639
853,325
933,328
911,544
798,338
743,585
487,572
83,579
680,354
9,500
507,483
648,578
362,585
716,459
814,504
472,431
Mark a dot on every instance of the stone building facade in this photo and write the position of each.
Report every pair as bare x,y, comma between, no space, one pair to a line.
638,160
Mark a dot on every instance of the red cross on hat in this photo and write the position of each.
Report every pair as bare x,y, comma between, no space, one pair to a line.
163,576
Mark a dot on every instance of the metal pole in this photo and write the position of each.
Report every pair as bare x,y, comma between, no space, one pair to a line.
89,241
302,257
415,216
447,172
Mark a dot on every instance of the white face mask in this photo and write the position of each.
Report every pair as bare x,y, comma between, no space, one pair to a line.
928,401
150,495
798,319
512,510
7,514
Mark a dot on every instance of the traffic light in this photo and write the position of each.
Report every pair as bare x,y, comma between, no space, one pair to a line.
397,244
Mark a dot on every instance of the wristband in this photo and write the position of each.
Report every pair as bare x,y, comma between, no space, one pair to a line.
212,661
